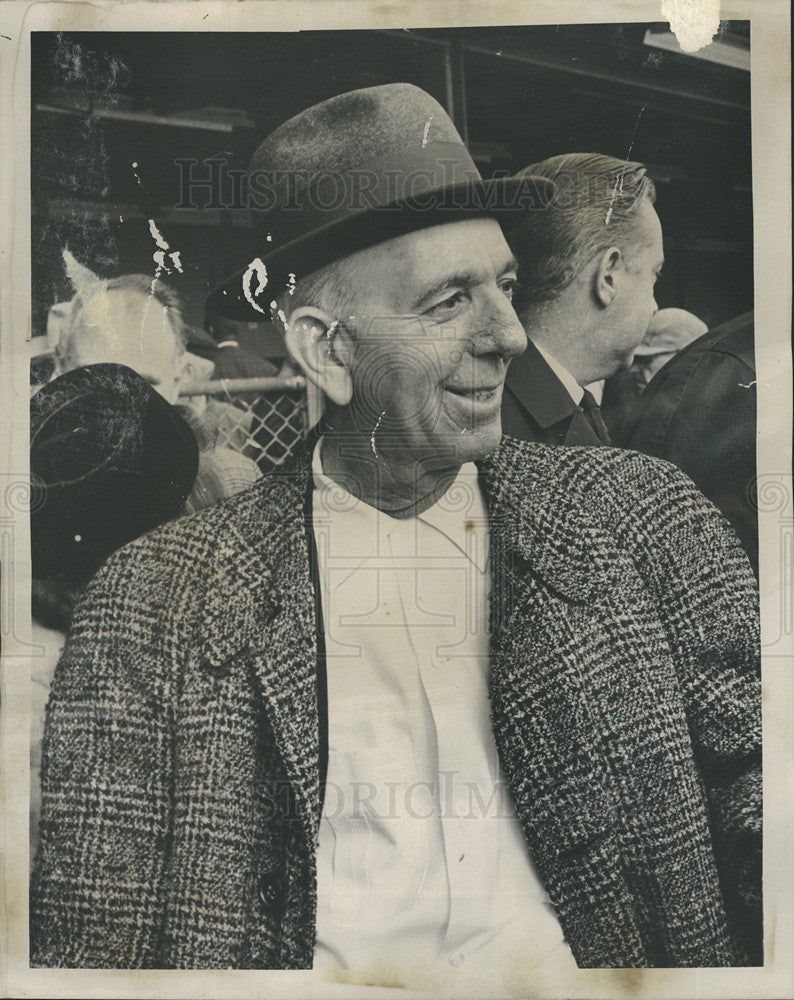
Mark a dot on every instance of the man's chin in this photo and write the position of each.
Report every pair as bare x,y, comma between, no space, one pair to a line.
480,443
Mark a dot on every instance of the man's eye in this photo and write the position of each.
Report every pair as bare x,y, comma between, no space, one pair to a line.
508,286
448,304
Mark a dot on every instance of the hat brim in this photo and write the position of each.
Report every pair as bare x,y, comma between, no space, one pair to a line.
501,198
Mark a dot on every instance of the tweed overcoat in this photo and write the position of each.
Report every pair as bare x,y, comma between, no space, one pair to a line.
181,774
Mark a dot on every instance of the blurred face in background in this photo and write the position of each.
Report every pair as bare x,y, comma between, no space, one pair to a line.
125,328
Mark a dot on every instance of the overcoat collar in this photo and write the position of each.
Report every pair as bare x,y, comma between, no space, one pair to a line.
531,516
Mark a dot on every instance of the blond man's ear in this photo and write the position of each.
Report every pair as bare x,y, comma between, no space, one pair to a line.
607,271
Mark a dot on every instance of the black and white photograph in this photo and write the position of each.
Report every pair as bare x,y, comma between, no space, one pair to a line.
401,467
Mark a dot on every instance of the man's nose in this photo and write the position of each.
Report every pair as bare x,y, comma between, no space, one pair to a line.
509,336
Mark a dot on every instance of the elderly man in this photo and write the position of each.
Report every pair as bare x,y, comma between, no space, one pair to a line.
420,700
587,268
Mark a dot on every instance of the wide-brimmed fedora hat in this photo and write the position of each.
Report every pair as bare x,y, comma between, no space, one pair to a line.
352,172
110,459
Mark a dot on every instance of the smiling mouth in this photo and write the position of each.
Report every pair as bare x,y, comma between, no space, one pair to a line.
478,395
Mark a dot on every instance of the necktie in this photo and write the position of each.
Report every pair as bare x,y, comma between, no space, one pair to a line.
592,412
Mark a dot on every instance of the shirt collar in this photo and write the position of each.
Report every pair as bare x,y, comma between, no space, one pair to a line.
596,390
460,515
575,391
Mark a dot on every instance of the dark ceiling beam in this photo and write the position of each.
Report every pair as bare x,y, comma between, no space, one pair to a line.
560,64
565,66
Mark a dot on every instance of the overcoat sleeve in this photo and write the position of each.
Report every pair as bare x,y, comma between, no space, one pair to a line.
96,888
708,602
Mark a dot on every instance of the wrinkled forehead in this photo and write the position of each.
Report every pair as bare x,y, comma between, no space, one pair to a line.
400,267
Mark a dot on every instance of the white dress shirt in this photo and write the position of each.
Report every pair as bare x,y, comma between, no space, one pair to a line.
421,862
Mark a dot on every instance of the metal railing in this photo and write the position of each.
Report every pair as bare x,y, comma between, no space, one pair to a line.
263,418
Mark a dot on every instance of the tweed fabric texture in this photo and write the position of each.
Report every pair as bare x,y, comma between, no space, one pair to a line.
180,780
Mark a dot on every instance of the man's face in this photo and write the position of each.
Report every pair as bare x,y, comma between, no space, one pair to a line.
634,304
126,328
434,331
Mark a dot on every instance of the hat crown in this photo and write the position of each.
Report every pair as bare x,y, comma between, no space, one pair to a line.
351,129
349,173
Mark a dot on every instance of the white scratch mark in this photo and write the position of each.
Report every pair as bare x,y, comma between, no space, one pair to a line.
164,250
157,236
279,312
269,238
426,131
138,180
291,284
749,384
619,180
255,269
164,259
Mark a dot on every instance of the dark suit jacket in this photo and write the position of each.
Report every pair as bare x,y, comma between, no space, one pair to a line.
181,779
619,400
699,412
536,406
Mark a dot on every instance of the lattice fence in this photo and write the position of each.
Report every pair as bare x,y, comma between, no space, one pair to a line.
264,418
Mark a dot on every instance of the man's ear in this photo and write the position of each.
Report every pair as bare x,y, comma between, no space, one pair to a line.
606,275
322,349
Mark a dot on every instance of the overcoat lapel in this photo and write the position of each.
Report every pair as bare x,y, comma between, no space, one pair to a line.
545,721
267,612
533,383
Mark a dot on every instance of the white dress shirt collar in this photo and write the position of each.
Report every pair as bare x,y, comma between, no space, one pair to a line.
369,524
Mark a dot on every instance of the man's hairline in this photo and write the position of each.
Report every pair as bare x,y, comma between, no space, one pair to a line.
629,252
